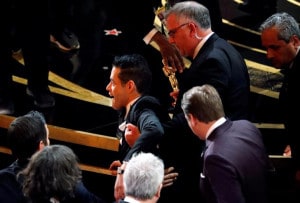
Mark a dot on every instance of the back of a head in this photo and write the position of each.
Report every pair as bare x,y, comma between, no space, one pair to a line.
143,176
134,67
51,172
203,102
25,133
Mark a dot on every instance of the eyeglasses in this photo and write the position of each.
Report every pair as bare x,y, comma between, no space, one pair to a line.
172,32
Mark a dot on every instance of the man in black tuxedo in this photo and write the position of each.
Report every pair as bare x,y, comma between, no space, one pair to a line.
235,162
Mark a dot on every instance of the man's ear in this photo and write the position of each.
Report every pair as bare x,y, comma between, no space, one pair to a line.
295,40
41,145
158,191
193,120
131,85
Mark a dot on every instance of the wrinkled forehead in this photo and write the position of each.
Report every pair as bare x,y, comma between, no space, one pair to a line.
270,36
174,20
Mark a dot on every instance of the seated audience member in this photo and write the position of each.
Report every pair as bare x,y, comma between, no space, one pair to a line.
53,175
235,162
26,135
143,178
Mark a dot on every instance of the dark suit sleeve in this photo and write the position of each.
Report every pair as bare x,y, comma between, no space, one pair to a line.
151,133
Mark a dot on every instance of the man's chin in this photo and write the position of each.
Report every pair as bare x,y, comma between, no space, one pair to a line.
114,106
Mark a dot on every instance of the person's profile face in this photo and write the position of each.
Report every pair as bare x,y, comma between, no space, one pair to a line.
279,52
179,33
116,90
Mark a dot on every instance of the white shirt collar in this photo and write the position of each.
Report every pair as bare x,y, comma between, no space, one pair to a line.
199,46
131,200
219,122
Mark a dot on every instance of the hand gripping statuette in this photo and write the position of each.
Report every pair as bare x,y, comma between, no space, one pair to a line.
169,72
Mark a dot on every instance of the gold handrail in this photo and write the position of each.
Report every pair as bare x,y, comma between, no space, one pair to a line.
75,137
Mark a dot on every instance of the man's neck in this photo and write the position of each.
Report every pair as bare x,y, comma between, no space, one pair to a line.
130,104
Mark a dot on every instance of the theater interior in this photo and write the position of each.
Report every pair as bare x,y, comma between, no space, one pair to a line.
84,120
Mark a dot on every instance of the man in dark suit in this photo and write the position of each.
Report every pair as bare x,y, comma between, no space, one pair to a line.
235,162
280,35
214,62
130,81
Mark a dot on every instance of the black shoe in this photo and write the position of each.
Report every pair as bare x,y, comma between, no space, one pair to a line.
6,107
66,41
42,99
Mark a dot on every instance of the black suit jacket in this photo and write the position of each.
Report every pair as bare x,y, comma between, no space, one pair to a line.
219,64
147,114
10,188
289,99
235,165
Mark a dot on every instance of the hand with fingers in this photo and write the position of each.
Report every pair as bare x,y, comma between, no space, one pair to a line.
169,177
132,133
170,53
114,165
